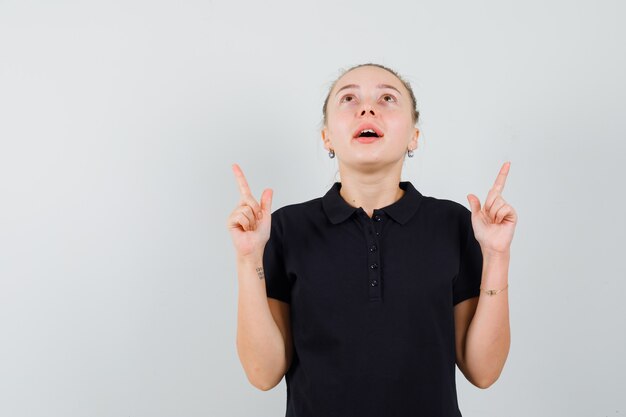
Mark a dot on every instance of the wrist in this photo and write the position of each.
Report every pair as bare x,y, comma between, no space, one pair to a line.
255,258
495,255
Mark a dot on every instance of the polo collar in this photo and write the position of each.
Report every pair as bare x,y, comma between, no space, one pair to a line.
338,210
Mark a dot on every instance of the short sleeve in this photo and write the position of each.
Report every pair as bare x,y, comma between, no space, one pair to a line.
276,280
466,283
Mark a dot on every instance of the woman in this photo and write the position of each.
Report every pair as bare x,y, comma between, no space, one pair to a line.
367,298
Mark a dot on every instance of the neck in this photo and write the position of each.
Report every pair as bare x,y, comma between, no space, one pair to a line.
371,193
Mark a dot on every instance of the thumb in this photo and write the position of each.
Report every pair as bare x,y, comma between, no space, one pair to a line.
474,203
266,200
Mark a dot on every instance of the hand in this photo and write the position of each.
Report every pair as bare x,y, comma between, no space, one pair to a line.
494,223
249,223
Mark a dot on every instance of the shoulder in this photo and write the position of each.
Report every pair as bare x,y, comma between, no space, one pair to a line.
445,209
444,217
295,214
299,209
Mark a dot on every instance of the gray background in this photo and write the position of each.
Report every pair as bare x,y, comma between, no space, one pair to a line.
119,122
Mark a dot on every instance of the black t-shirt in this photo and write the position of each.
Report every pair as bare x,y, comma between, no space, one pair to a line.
372,302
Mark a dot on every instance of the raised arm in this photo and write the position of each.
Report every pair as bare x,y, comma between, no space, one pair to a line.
482,324
263,328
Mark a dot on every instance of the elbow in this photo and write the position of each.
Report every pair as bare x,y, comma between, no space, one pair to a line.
261,371
267,387
479,380
482,378
263,387
260,378
264,384
484,383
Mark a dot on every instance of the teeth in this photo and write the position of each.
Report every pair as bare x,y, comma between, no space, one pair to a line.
368,130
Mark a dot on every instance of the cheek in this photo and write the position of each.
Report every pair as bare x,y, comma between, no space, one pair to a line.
398,125
399,119
340,122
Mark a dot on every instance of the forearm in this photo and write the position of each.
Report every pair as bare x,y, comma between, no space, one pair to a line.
260,344
489,336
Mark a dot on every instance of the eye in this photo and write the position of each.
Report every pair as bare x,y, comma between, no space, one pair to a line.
390,96
344,98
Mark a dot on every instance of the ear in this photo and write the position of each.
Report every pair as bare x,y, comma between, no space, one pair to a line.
325,139
414,138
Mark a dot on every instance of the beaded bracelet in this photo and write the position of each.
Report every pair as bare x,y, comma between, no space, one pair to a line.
494,292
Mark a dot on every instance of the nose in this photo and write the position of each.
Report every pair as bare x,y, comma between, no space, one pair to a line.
368,109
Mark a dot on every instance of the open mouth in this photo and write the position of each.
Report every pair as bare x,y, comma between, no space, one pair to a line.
368,130
368,133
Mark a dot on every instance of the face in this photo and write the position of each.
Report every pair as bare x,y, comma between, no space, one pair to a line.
369,97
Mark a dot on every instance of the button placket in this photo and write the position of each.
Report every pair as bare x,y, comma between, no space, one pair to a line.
371,227
374,268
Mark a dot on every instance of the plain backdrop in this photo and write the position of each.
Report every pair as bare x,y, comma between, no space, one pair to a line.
119,122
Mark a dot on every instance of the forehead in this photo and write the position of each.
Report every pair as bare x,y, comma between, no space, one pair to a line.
369,76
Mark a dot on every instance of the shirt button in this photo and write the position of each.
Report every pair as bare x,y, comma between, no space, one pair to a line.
377,233
377,218
372,248
374,283
374,266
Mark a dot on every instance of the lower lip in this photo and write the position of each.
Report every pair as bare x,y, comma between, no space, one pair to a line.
366,139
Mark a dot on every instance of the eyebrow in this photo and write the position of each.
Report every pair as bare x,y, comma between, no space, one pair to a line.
379,86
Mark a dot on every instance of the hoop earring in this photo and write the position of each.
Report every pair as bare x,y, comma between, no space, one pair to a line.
331,154
410,153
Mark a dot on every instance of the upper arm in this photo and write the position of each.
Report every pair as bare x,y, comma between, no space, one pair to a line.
466,287
281,314
463,314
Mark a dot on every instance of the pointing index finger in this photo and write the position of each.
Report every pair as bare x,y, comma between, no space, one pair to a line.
244,189
498,185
